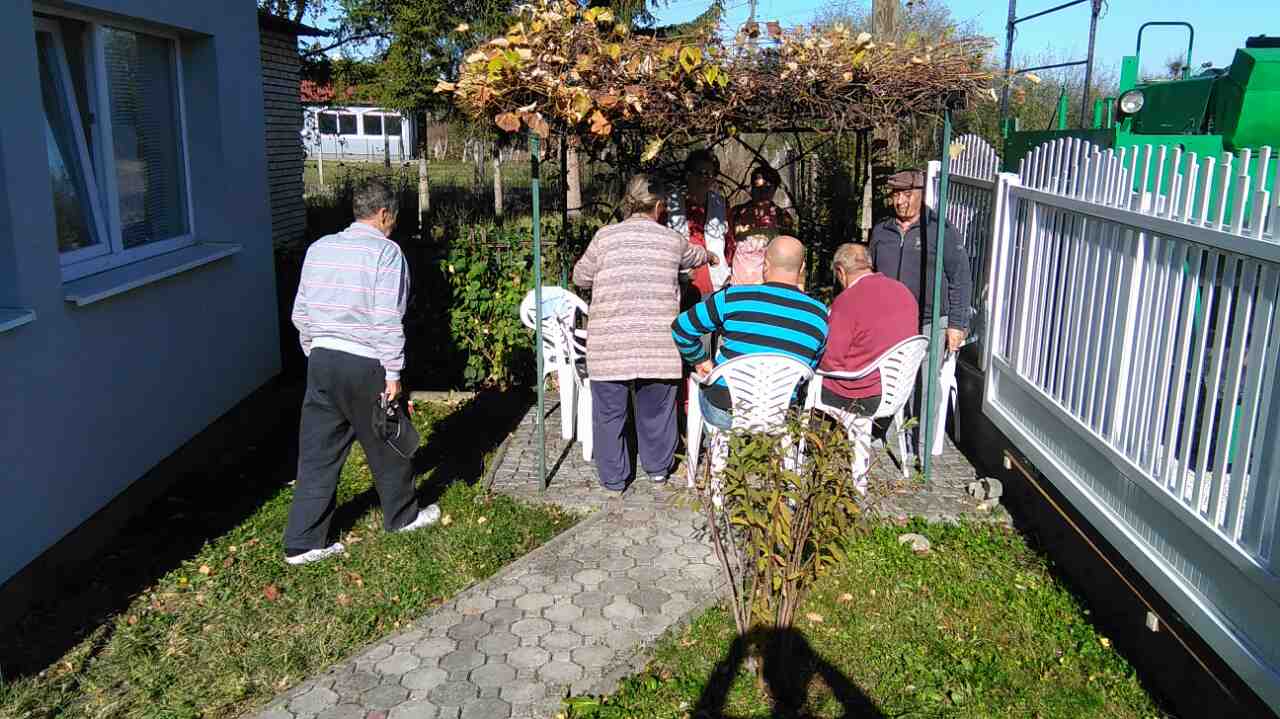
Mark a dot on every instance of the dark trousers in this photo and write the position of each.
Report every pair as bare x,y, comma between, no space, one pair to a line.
342,391
655,428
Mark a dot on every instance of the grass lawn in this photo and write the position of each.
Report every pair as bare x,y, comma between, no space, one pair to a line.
442,172
233,625
978,627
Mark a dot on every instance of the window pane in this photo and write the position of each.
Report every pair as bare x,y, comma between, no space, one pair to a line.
373,125
146,133
328,123
72,215
347,123
393,125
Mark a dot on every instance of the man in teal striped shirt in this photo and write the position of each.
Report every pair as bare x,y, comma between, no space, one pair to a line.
774,317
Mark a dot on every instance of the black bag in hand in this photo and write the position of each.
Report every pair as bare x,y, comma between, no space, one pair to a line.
393,426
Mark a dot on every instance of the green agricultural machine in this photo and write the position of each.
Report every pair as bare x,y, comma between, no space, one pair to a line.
1218,110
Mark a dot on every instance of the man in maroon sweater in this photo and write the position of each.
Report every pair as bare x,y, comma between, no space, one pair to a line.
870,315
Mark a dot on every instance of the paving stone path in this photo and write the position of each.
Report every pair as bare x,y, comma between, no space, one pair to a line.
575,615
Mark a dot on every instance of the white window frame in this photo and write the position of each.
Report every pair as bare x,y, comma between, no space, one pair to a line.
107,208
381,123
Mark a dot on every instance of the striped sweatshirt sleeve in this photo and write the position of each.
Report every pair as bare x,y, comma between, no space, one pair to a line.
391,300
301,318
689,326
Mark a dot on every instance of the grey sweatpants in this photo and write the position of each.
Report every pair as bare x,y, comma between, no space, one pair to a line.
342,391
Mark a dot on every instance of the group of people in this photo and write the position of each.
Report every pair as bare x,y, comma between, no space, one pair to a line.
684,283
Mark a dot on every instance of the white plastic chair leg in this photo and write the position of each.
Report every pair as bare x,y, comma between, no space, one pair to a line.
568,403
860,440
585,424
946,390
719,459
693,433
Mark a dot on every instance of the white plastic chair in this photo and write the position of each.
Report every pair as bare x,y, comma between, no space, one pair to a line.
761,387
577,354
558,310
898,368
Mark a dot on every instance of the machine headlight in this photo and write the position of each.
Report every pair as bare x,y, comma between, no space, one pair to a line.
1131,102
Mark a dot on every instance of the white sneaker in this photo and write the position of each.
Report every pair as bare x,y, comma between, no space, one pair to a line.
427,516
316,555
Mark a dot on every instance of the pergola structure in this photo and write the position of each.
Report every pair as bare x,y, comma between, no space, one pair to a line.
575,71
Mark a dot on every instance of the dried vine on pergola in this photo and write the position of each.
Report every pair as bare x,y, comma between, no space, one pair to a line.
575,71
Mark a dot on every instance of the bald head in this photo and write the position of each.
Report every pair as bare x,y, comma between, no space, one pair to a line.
784,260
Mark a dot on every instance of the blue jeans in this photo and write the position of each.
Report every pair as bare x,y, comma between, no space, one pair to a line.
713,415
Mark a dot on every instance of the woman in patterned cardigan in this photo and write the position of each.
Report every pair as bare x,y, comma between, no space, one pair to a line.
632,269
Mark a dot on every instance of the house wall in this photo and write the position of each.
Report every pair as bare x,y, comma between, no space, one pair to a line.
283,116
370,148
94,396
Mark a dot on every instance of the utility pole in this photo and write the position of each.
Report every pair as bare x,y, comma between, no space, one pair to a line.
1010,29
1095,10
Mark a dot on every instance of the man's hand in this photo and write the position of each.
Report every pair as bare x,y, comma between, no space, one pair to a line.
703,369
955,338
712,259
393,389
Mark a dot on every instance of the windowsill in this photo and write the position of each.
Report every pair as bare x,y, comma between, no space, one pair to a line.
95,288
13,318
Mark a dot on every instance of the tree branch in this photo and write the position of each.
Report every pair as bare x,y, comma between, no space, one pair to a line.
339,43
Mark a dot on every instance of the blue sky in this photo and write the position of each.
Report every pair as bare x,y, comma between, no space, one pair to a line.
1221,25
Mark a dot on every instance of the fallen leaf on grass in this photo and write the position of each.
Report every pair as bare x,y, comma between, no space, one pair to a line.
846,598
814,617
446,520
1106,643
482,520
271,592
132,620
343,600
205,569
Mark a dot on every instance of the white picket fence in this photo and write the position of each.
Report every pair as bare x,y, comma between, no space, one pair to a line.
974,192
1132,350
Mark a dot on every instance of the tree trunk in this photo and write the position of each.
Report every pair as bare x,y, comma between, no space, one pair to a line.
497,181
573,180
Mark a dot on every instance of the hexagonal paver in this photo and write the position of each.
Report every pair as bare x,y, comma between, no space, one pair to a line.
461,659
356,682
475,604
593,657
563,588
535,601
618,586
316,700
622,610
647,575
454,694
503,616
667,540
401,640
591,599
385,696
523,692
593,627
701,572
490,708
398,664
498,643
622,639
506,592
562,613
532,627
492,675
442,619
560,672
343,711
617,564
535,581
421,709
434,647
643,552
693,550
670,561
562,639
650,600
590,577
528,657
470,629
677,607
424,678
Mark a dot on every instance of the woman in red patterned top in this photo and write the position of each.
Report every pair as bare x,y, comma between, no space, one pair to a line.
755,224
700,214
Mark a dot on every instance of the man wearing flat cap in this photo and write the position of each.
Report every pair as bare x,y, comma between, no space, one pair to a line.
904,247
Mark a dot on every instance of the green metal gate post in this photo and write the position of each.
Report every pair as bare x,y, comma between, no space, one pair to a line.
931,388
537,302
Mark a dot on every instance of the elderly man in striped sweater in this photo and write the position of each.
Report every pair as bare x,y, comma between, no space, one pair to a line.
349,312
773,317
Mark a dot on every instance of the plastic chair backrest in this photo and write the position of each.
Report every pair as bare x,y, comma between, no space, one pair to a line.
761,387
898,367
558,306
